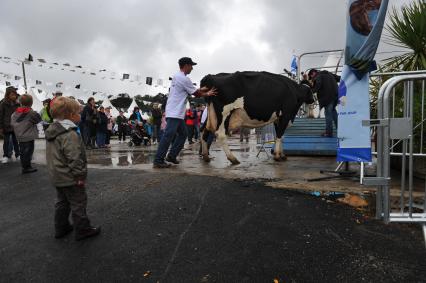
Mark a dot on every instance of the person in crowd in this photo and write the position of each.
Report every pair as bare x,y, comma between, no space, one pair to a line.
24,122
122,127
87,125
244,134
45,114
197,125
136,116
156,121
180,89
8,105
67,168
189,120
101,128
325,85
109,126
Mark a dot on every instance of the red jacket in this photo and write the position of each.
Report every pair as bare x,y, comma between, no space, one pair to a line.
189,117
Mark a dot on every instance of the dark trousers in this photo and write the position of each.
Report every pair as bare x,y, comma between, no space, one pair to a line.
330,117
26,149
156,133
71,199
10,144
108,137
175,130
190,129
121,133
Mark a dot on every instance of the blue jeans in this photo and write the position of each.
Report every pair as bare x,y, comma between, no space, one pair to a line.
174,128
10,143
100,139
330,116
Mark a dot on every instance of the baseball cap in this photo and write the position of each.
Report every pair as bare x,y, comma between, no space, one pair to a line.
186,61
11,88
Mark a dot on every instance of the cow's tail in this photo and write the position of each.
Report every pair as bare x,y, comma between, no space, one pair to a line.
211,118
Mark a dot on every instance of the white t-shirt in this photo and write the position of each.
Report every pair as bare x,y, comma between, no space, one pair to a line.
180,89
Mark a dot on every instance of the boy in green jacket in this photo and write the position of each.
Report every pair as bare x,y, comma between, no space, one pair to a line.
67,167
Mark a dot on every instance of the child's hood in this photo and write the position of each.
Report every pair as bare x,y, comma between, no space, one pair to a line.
55,129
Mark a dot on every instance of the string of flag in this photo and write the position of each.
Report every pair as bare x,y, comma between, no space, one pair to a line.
79,68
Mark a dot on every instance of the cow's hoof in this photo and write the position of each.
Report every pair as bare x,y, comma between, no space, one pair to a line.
278,159
283,158
206,158
234,161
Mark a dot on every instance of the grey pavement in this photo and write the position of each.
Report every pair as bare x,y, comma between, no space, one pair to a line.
160,226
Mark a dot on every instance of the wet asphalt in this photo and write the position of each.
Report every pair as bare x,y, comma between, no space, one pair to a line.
160,226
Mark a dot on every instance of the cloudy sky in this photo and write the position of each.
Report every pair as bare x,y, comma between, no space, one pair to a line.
147,38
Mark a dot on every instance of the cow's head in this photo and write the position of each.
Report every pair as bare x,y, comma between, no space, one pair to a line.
306,96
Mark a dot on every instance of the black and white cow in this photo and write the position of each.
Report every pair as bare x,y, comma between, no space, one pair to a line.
252,99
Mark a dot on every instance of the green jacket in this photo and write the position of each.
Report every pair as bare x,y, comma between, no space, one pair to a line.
65,155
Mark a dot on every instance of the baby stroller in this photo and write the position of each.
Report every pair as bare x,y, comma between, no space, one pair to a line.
138,135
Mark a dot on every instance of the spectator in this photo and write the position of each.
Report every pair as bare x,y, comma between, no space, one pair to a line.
156,115
24,122
325,85
45,114
101,127
87,125
244,133
197,125
136,116
122,126
109,126
8,105
189,120
67,167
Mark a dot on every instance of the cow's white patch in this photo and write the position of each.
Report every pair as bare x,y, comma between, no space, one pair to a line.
240,117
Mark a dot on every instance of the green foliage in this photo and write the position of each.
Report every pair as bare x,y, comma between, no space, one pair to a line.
407,29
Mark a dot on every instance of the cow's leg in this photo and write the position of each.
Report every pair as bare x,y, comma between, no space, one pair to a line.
223,141
204,147
280,127
278,151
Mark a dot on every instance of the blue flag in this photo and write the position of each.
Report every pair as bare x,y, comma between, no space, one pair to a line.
364,26
294,65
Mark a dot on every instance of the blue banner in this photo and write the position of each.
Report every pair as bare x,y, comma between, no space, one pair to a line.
364,27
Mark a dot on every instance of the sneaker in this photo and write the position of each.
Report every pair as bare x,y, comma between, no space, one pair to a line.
29,170
161,165
63,232
87,233
172,159
5,160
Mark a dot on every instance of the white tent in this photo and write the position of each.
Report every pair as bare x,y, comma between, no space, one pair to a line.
130,109
114,112
37,103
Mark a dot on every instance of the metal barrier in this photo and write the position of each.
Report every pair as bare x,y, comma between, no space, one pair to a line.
265,136
396,133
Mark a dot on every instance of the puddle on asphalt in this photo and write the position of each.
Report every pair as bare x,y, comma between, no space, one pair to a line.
120,158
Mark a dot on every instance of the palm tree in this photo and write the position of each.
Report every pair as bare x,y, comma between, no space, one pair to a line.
408,30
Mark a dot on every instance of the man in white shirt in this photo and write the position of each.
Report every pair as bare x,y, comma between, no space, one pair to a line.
175,113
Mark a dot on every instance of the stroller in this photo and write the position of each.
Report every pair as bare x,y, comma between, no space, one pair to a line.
138,135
